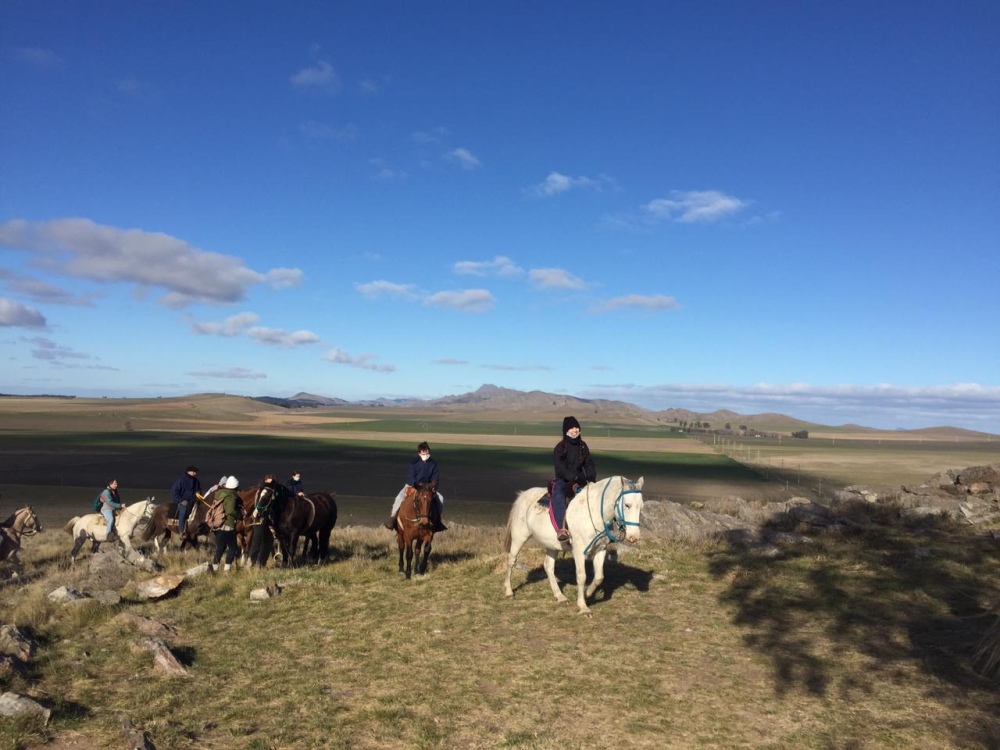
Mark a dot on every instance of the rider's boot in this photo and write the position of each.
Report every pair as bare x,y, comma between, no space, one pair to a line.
391,523
438,526
112,536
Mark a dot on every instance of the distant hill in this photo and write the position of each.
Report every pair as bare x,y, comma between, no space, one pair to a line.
494,402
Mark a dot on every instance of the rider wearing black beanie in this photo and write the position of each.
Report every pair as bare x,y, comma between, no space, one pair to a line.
574,468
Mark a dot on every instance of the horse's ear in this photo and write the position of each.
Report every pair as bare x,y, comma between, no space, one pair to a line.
638,483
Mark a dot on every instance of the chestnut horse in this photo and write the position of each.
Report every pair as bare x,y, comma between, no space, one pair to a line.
22,522
163,523
415,528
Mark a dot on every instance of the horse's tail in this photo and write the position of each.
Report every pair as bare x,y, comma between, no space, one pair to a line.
68,528
508,538
149,530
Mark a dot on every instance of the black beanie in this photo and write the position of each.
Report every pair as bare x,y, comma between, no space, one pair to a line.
569,423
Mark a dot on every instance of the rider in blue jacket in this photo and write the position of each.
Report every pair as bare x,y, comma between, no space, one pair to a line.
185,492
422,469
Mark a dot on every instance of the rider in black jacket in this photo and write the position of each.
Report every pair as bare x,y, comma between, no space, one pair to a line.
574,468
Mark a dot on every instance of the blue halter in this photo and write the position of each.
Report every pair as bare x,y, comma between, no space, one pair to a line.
614,529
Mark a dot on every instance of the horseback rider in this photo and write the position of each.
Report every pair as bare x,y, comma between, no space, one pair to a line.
295,484
574,468
184,493
424,469
110,502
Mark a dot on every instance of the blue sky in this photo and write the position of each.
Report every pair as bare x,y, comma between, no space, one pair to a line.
788,207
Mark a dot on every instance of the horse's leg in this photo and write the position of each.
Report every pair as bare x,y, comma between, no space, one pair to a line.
549,563
519,534
598,572
77,545
402,547
409,560
422,567
581,579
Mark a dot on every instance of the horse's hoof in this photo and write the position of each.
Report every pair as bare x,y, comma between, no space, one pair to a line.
561,599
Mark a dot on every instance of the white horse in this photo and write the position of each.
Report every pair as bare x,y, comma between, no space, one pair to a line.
94,527
23,522
605,511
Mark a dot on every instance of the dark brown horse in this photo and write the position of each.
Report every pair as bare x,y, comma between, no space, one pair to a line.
163,524
415,528
245,522
22,522
312,517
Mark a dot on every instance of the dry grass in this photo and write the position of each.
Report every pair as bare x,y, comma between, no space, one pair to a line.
854,642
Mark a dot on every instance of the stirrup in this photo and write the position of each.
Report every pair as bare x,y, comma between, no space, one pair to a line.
563,535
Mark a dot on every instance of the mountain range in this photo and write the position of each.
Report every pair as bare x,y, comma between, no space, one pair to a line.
497,401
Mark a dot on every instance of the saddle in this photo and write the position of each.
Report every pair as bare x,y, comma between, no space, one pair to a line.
545,499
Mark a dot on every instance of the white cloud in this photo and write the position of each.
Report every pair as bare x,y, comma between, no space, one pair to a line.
320,77
377,289
463,158
280,337
468,300
327,132
519,368
434,135
363,361
555,278
231,326
80,248
49,350
43,58
557,183
42,291
15,315
694,206
387,174
230,373
888,406
284,278
501,266
130,86
449,361
643,301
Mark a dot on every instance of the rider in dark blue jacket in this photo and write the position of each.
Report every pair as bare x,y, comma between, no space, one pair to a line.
423,469
185,492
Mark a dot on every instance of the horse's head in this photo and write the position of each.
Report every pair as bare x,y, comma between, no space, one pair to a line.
630,506
423,496
263,501
26,521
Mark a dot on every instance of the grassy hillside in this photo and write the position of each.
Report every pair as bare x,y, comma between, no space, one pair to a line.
865,640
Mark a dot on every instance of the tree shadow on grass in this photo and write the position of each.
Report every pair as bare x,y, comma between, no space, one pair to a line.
884,596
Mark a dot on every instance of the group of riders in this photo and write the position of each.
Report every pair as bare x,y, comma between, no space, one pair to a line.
572,461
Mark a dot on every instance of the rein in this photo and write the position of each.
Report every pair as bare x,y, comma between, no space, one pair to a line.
614,527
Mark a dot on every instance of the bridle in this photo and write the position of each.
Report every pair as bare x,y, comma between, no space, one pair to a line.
614,528
21,521
422,517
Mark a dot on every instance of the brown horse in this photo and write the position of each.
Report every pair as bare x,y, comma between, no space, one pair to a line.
311,517
22,522
246,524
163,524
415,528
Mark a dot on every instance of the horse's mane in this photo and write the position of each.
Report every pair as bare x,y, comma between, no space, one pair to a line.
9,521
